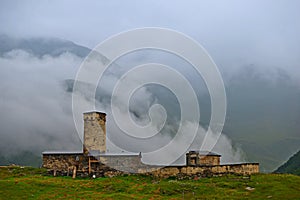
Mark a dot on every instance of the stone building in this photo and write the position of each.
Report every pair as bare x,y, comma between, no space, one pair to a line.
202,158
93,159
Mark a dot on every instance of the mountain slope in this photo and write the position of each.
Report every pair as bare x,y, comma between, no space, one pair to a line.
292,166
25,158
41,46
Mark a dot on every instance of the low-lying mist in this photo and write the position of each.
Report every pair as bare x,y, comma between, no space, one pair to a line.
262,119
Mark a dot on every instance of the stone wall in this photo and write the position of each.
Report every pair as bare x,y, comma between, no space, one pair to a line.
203,171
209,160
63,162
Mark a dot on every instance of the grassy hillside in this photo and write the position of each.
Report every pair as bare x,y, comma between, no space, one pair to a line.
292,166
30,183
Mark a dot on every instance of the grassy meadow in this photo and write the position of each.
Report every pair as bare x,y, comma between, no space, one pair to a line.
32,183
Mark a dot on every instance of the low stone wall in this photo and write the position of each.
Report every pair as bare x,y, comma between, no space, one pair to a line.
191,171
203,171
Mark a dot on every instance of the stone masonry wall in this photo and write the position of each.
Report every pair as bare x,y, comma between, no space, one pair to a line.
242,169
63,162
209,160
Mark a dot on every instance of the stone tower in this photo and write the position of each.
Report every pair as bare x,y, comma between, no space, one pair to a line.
94,132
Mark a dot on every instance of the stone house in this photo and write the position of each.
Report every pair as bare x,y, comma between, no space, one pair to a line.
202,158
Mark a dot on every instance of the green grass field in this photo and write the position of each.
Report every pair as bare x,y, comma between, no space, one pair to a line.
32,183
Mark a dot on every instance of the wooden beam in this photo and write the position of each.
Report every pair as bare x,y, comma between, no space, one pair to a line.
74,172
90,170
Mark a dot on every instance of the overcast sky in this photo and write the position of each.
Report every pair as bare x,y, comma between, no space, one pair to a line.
234,32
89,22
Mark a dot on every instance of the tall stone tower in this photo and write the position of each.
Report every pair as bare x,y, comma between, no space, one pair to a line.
94,132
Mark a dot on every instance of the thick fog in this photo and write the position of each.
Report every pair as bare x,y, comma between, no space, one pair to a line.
38,116
36,110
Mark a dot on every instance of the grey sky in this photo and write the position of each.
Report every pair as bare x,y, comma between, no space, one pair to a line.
234,32
89,22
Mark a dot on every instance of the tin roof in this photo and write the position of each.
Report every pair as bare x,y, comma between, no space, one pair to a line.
62,152
97,153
